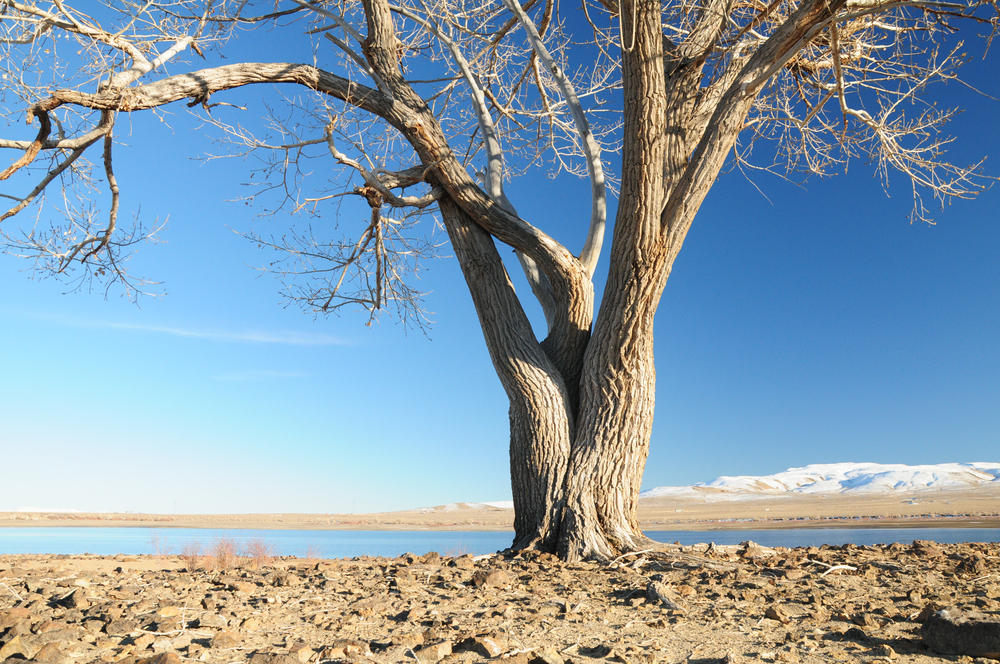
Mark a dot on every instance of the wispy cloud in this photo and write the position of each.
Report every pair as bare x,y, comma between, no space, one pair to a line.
289,338
243,376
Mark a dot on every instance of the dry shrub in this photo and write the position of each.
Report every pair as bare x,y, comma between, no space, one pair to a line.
313,552
257,552
191,555
158,543
223,552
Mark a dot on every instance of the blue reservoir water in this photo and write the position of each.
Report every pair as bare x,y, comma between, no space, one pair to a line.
351,543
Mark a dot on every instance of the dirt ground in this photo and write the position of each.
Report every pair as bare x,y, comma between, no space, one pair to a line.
974,507
701,606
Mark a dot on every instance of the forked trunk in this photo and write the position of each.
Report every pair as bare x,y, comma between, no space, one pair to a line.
617,387
540,409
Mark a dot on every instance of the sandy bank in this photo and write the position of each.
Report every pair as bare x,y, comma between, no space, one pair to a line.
979,508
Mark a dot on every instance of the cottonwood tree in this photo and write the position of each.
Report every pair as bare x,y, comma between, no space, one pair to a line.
448,99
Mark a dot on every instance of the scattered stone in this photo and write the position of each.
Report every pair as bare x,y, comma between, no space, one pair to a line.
553,612
50,653
490,578
302,652
162,658
884,651
272,658
225,639
347,649
16,646
856,635
76,599
120,627
865,620
12,616
775,612
950,632
408,641
547,655
926,612
490,646
434,652
213,620
167,612
144,641
162,644
463,562
927,549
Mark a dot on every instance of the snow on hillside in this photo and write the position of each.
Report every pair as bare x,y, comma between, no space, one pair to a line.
842,478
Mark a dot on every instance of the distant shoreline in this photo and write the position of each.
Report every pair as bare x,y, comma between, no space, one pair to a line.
968,508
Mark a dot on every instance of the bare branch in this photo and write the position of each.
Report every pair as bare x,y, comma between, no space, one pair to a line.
598,218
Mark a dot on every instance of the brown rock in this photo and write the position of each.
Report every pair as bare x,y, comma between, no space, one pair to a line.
489,578
120,627
410,641
926,612
884,651
17,646
950,632
50,653
347,649
161,644
547,655
162,658
13,616
775,612
926,549
213,620
434,652
490,646
182,641
77,599
974,565
144,641
302,652
865,620
464,562
225,639
272,658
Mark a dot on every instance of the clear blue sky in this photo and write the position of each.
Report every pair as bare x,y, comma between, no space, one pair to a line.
813,325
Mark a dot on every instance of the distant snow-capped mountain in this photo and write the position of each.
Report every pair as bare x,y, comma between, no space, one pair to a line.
843,478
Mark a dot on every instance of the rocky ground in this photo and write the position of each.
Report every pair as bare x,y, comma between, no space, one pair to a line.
724,604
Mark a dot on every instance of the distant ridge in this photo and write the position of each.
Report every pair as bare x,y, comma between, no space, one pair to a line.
840,478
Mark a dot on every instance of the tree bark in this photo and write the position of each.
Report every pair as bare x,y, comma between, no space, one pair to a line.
617,387
540,411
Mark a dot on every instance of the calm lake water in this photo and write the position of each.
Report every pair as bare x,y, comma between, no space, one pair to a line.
350,543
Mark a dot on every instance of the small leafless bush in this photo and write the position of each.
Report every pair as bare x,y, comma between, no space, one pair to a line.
191,555
257,552
313,552
224,552
158,544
